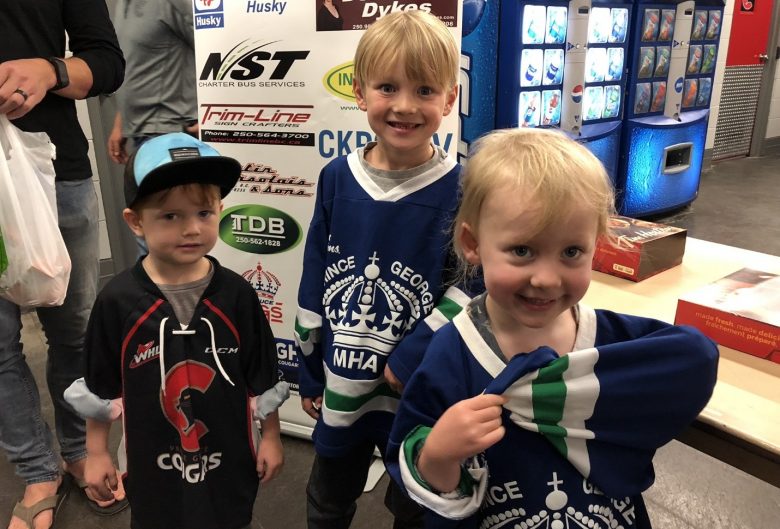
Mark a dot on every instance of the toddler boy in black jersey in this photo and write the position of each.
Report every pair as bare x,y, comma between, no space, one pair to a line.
185,344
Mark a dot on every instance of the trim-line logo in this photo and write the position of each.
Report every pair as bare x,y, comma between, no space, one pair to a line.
259,229
209,14
338,81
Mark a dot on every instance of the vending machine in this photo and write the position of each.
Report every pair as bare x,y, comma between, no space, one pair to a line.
557,63
674,49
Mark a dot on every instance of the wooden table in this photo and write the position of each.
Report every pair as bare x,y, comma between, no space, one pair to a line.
741,423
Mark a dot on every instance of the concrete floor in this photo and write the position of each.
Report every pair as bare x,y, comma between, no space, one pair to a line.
737,205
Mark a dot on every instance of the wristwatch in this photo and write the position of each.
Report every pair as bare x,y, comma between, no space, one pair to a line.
61,71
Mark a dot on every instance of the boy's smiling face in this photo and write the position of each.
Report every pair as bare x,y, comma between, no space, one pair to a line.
404,114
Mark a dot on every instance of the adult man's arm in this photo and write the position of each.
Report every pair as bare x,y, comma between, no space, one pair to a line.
97,65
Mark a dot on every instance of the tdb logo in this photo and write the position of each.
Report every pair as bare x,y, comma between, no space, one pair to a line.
208,14
678,85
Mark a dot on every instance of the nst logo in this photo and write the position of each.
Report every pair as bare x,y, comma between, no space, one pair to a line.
259,229
338,81
249,61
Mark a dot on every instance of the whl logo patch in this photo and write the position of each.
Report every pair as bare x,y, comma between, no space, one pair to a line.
144,353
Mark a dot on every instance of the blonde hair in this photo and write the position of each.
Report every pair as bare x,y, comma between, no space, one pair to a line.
544,167
417,40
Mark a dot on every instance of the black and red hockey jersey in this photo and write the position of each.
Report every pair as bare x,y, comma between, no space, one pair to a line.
190,454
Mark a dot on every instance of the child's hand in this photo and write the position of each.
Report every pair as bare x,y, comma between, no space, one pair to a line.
100,475
466,429
270,457
392,381
312,406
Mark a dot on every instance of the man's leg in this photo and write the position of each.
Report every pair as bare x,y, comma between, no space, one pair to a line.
24,435
335,484
66,325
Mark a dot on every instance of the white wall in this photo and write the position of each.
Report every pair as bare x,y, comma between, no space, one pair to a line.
773,124
720,68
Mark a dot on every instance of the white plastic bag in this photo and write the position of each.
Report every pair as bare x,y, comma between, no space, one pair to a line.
38,263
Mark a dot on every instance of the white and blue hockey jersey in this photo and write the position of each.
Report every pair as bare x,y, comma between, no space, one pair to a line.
581,429
375,264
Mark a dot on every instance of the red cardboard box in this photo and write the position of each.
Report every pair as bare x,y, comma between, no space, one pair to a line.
640,249
740,311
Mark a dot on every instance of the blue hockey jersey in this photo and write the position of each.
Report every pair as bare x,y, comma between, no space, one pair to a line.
375,264
581,429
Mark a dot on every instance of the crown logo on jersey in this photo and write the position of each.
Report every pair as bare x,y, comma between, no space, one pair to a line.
367,312
265,283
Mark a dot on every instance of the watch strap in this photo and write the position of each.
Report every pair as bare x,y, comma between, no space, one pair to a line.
60,71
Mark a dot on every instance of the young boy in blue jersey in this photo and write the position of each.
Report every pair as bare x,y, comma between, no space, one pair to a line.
376,261
531,409
185,344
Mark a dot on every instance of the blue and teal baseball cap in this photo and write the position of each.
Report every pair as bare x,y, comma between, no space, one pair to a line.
176,159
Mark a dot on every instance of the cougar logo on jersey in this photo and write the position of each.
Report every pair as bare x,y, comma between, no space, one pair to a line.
184,378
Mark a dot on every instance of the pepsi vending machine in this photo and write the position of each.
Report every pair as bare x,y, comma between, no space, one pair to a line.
674,52
595,77
562,64
531,62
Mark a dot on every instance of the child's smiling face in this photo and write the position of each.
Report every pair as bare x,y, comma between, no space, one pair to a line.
532,275
404,114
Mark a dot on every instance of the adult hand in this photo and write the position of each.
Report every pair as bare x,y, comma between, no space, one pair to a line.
117,144
312,406
23,84
392,381
193,129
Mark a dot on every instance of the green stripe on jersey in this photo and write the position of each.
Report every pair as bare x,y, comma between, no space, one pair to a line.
549,399
448,307
345,403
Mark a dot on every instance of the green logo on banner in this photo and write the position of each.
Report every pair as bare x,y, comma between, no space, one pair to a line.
338,81
259,229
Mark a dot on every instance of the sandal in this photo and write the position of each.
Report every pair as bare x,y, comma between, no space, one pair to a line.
112,508
28,514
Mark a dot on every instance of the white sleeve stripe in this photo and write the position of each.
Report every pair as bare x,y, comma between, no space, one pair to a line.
454,508
458,296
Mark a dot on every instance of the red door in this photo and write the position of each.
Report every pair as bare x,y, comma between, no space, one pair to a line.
743,77
749,32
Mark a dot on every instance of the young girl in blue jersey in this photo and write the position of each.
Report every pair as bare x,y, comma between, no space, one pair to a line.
531,409
377,256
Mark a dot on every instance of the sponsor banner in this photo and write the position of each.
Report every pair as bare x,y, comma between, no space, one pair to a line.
340,15
276,94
